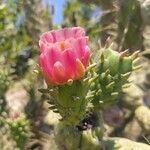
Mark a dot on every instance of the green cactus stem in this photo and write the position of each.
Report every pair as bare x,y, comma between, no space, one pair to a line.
69,101
85,136
6,141
113,70
4,83
67,137
19,129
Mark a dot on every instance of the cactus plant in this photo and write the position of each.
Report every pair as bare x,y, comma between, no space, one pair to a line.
124,144
113,71
15,130
6,141
78,90
20,130
142,113
4,83
65,82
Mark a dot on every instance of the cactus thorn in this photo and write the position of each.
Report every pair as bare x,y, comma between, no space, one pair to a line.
110,84
55,111
124,53
51,90
99,92
130,80
114,94
92,92
107,72
126,86
86,79
89,96
99,44
36,71
52,107
91,66
92,79
125,75
135,54
111,45
136,60
91,55
137,67
108,42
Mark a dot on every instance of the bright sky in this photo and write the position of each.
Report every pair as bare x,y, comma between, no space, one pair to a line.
58,10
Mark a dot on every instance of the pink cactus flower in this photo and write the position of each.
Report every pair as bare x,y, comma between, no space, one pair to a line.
64,55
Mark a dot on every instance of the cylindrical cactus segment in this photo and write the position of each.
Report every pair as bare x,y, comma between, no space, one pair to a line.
20,130
69,101
4,83
113,71
70,138
115,62
67,137
124,144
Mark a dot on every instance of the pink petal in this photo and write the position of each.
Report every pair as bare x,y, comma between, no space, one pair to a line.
59,73
80,70
74,32
80,49
86,57
47,61
68,59
45,68
58,35
68,33
79,45
53,55
63,45
46,37
44,46
78,32
61,34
